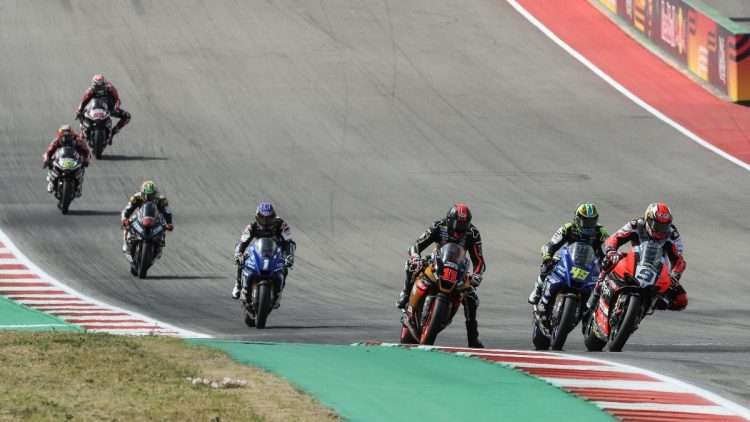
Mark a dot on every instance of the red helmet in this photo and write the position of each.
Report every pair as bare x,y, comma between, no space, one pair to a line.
458,219
658,219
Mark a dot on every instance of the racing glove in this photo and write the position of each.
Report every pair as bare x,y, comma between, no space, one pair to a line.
238,258
414,263
124,222
170,227
612,258
289,261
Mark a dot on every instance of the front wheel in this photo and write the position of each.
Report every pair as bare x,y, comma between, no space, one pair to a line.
590,340
145,257
565,322
438,316
264,305
67,193
99,143
627,325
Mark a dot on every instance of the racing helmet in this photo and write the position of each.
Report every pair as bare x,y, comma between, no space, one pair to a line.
458,219
148,190
658,220
99,83
586,219
67,135
265,214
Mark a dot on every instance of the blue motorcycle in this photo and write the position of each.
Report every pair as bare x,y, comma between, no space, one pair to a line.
263,274
566,290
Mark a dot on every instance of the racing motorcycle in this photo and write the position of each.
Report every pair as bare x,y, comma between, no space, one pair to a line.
96,123
262,275
628,293
566,288
436,295
67,173
146,231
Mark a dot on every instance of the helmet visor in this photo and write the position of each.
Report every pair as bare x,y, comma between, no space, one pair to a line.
587,225
264,220
659,228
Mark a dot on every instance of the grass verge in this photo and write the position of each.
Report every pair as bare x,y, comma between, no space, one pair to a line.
75,376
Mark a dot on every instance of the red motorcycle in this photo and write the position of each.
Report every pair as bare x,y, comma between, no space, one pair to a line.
628,293
436,295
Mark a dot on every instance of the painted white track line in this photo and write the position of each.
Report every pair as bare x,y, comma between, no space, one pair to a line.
624,91
627,392
22,281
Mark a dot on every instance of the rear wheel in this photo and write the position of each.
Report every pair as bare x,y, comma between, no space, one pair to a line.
144,258
264,305
67,194
565,322
626,327
438,316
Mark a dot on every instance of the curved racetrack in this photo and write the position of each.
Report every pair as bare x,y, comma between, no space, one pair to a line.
363,121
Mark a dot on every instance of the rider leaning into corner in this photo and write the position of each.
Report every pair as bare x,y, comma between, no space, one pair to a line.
655,225
266,224
148,192
456,228
102,88
66,137
583,228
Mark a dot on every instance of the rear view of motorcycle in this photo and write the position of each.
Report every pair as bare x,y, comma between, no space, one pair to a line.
66,174
263,274
436,295
96,123
628,293
145,237
565,292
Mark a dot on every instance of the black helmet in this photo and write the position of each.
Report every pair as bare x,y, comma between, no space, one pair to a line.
458,219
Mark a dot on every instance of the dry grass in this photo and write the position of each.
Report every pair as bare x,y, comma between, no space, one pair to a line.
80,377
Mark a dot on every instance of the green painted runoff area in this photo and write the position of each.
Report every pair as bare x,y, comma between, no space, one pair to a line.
393,384
14,316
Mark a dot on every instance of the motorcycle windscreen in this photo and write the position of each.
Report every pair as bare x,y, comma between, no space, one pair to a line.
265,247
583,254
452,255
97,103
148,214
68,152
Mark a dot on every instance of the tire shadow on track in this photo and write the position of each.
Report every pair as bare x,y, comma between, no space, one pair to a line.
115,157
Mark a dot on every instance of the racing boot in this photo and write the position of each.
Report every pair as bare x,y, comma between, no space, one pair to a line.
50,187
403,297
112,134
472,334
236,290
536,294
277,303
125,248
79,190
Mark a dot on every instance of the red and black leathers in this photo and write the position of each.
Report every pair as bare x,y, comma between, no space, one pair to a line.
471,240
110,94
633,232
77,142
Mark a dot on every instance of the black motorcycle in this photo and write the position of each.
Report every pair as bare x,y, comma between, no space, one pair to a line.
146,231
96,123
66,173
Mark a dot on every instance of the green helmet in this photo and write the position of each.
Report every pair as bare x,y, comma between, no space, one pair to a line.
586,218
148,189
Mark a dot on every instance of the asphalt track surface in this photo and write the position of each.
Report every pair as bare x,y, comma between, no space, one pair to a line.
363,121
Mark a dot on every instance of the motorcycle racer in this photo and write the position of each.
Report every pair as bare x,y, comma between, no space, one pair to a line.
266,224
584,227
65,137
102,88
148,192
456,227
656,225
